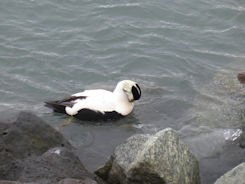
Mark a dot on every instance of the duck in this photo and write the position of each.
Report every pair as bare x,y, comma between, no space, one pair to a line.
99,104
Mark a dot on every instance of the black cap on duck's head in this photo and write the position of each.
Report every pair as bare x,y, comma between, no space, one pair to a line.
131,89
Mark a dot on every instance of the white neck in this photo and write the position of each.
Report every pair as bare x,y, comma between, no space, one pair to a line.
125,106
119,93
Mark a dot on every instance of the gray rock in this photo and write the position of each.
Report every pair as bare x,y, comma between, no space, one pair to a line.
236,175
31,151
9,182
27,135
55,164
151,159
241,140
76,181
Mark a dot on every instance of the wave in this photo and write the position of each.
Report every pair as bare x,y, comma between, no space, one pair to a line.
120,5
219,53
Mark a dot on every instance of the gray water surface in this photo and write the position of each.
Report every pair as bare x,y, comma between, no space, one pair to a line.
184,54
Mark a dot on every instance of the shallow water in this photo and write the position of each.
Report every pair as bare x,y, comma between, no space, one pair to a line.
184,54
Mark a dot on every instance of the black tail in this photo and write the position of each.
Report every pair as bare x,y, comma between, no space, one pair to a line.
60,105
56,106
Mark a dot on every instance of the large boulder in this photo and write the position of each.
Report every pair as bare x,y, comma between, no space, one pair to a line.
236,175
152,159
27,135
31,151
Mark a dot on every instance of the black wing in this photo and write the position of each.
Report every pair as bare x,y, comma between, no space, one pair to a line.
59,105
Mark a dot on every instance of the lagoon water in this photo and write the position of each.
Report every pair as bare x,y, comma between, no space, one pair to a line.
184,54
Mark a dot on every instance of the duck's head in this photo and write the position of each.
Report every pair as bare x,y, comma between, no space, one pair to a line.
131,89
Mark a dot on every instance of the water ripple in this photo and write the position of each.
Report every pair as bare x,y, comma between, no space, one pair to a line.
229,7
231,134
219,53
220,30
119,5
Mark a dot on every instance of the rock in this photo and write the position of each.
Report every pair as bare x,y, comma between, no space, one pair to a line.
27,135
241,77
9,182
241,139
152,159
31,151
54,165
76,181
215,122
236,175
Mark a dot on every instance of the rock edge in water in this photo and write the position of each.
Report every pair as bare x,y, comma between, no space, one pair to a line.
152,159
236,175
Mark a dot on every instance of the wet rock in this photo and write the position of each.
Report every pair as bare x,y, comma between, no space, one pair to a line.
236,175
31,151
241,77
51,167
76,181
27,135
241,140
9,182
151,159
218,111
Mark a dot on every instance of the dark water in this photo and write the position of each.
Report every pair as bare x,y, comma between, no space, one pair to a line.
185,55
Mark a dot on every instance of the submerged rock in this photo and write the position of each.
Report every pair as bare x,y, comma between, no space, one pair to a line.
31,151
215,122
236,175
152,159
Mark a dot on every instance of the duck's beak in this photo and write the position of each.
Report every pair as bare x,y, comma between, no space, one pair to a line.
131,101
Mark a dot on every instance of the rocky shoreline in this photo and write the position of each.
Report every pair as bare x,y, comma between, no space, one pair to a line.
31,151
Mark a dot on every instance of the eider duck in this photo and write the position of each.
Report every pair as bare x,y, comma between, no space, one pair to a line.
99,104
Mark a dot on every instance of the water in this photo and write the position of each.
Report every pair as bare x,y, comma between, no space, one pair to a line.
184,54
